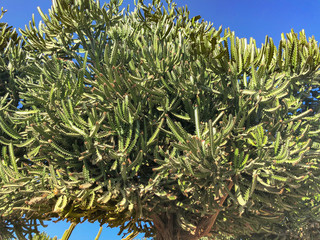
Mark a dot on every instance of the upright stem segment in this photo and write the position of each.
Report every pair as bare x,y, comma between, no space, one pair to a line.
68,232
99,233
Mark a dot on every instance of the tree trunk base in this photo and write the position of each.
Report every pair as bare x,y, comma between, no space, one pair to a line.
167,228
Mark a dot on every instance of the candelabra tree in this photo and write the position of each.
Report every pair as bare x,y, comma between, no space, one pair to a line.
158,123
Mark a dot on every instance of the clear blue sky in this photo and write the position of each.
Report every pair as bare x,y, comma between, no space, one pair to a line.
248,18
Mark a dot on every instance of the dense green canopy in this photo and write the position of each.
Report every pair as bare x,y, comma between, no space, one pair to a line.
155,122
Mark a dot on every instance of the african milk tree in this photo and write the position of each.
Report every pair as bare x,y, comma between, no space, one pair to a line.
155,122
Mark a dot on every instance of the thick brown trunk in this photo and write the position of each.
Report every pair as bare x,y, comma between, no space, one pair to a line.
206,224
167,227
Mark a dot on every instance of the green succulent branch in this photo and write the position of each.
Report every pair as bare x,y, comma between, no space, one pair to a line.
157,123
11,60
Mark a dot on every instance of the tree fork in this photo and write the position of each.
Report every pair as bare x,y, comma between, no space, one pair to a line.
167,228
206,224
